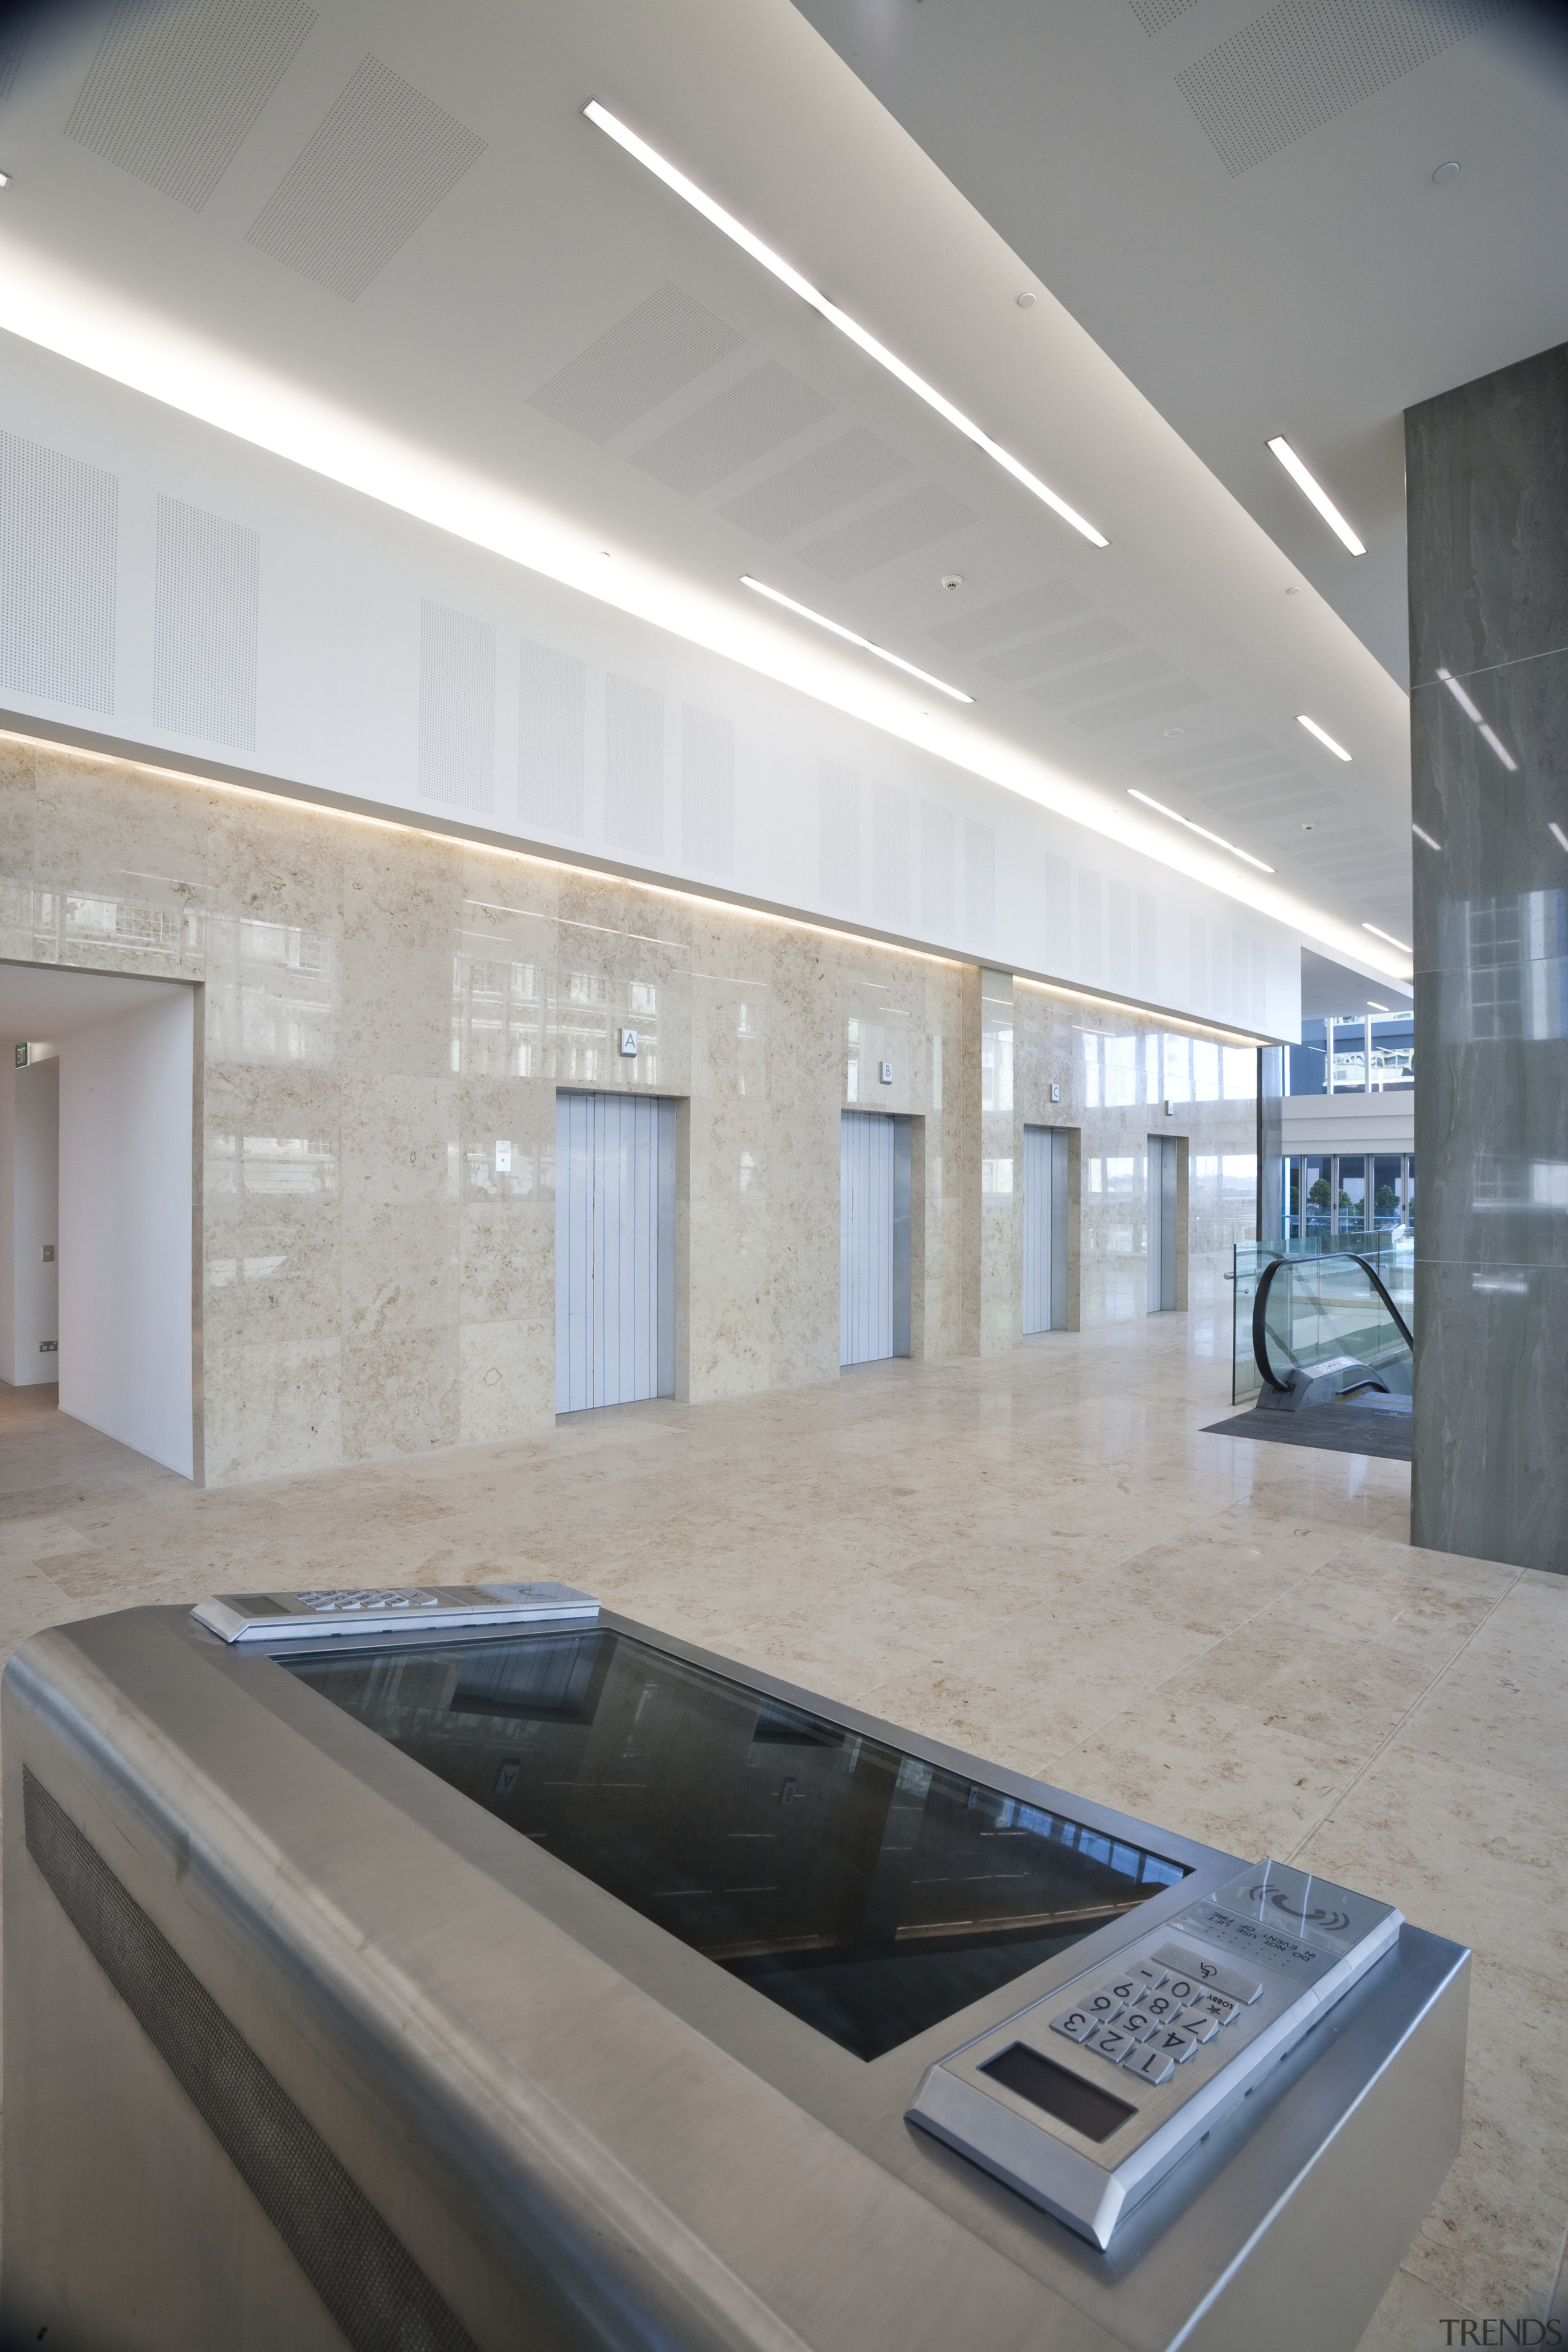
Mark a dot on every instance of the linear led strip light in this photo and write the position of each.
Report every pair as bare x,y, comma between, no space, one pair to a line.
700,202
1313,489
1217,839
852,637
1322,735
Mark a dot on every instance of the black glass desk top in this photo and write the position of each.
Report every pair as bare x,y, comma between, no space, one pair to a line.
869,1893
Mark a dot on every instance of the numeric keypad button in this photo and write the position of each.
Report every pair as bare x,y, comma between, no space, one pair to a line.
1138,2022
1197,2021
1105,2004
1111,2042
1077,2025
1152,2063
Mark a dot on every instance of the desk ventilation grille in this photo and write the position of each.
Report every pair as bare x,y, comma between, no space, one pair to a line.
59,525
175,89
368,2281
381,160
647,357
15,28
456,708
205,625
1294,69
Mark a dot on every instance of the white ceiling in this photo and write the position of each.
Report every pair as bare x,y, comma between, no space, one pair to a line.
464,283
41,1006
1328,988
1317,291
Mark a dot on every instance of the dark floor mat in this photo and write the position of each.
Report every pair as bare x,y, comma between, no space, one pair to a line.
1382,1429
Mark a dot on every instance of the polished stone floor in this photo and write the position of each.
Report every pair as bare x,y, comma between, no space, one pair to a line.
1043,1558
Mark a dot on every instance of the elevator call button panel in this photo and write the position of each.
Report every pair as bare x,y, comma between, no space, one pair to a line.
1084,2101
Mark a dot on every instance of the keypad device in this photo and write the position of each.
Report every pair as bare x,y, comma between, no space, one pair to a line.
1164,2036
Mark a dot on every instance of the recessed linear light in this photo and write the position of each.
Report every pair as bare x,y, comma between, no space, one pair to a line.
1404,947
787,275
1218,839
1374,1007
852,637
1468,707
1322,735
1315,491
1422,835
1554,828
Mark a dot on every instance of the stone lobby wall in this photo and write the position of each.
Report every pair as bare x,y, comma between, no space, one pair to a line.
378,1006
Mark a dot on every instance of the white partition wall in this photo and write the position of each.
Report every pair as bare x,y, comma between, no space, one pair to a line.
615,1249
874,1236
1045,1228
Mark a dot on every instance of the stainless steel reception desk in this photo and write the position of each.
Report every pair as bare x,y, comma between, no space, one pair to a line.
574,1989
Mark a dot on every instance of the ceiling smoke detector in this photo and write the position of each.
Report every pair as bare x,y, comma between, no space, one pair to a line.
1445,175
1027,302
952,579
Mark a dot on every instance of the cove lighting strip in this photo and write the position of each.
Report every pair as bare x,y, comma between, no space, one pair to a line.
1322,735
1478,720
851,636
1217,839
662,168
1314,490
1393,942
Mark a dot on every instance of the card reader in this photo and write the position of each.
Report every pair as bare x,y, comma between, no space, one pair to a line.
1084,2101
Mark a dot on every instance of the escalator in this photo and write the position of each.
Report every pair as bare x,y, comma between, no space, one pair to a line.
1330,1326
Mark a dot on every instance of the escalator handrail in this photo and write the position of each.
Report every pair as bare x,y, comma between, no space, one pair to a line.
1260,1305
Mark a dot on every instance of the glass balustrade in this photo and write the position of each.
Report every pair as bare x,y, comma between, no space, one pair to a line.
1324,1302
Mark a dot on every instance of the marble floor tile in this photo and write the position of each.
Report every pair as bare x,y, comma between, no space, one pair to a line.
1042,1558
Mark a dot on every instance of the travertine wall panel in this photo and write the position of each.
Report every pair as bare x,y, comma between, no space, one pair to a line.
382,1007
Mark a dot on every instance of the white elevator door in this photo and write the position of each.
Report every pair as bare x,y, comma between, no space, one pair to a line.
615,1162
865,1237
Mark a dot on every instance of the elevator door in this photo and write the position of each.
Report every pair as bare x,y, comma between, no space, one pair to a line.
615,1249
1163,1151
1044,1229
874,1163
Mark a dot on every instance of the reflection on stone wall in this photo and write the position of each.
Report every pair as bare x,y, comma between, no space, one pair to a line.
382,1006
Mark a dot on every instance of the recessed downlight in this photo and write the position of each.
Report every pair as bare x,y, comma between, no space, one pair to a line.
698,198
1322,734
1446,175
1311,488
1217,839
853,637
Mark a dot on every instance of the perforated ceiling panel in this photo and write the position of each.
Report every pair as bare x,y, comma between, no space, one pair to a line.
206,620
380,164
708,789
817,485
456,708
1305,61
1043,657
911,521
1155,14
1012,617
59,522
765,409
551,744
634,767
664,343
177,84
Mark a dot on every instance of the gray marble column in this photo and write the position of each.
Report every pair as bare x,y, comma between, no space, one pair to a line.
1487,469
